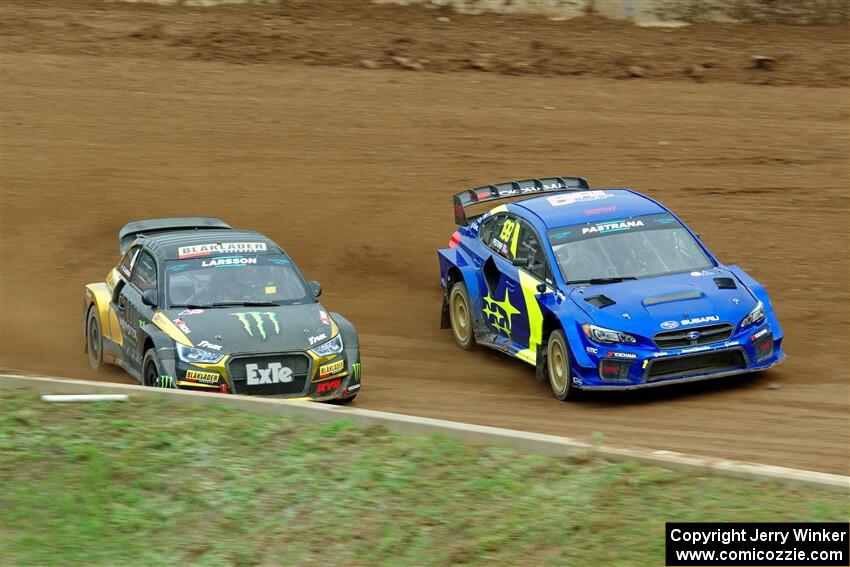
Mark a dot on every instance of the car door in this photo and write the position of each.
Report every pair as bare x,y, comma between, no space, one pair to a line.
501,296
131,309
532,273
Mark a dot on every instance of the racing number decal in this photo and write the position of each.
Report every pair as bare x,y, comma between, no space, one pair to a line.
510,234
507,230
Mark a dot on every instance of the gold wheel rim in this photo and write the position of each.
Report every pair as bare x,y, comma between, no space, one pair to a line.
460,317
557,366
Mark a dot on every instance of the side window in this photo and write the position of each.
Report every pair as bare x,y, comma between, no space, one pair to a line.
144,276
503,239
126,265
530,249
485,233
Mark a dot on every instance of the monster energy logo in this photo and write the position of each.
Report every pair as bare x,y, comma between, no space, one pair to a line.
356,369
255,318
500,312
166,381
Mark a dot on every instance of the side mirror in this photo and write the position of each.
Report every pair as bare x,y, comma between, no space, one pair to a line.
541,288
520,262
315,288
149,298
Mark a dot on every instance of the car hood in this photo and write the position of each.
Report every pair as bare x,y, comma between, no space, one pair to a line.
647,306
255,329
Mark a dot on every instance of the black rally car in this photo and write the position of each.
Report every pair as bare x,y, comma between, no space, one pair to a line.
195,304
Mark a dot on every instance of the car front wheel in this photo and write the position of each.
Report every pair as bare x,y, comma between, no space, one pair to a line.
558,367
151,373
94,339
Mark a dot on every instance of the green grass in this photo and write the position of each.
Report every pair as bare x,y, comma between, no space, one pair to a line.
148,483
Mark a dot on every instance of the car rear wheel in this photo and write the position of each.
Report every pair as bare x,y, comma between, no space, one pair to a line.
94,339
460,316
558,367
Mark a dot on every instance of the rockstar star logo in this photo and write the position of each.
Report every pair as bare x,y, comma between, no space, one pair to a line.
501,311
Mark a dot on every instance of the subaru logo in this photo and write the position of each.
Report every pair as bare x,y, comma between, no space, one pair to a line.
669,324
693,335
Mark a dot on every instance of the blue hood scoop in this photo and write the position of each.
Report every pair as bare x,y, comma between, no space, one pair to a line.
600,301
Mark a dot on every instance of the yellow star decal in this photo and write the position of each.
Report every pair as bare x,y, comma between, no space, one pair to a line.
501,310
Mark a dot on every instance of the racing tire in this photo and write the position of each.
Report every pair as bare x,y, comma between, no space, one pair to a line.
460,316
94,339
151,374
558,367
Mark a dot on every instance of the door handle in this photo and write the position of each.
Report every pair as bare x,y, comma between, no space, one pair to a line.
122,306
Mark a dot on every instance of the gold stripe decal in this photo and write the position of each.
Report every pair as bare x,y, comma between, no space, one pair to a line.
169,328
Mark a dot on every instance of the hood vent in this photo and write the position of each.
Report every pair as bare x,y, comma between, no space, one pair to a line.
725,283
672,297
600,301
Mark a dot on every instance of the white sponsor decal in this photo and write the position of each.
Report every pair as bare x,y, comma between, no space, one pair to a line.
731,343
592,350
577,197
207,344
275,373
326,320
317,338
761,333
695,349
696,320
627,355
181,324
612,226
228,262
190,312
220,248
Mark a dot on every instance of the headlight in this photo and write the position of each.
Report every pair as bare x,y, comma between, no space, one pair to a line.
190,354
755,316
333,346
603,335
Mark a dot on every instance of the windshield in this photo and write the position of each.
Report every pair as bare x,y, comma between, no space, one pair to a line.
636,247
234,279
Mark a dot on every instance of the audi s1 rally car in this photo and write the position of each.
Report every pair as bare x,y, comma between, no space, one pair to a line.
599,290
197,305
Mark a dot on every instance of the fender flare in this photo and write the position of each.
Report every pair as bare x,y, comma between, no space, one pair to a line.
458,269
151,336
760,293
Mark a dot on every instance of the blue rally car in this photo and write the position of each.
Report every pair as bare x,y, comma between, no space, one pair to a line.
599,290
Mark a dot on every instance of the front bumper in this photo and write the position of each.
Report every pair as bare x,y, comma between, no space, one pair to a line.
327,378
622,367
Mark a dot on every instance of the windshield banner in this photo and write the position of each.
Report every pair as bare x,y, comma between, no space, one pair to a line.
600,228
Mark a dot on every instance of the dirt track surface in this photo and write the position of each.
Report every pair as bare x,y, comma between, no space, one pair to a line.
352,170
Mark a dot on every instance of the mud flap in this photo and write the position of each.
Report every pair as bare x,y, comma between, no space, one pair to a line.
540,365
445,322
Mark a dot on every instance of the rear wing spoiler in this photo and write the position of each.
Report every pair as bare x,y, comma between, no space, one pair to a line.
512,189
133,230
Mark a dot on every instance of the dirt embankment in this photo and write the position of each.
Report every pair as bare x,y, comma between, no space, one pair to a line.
414,38
115,112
